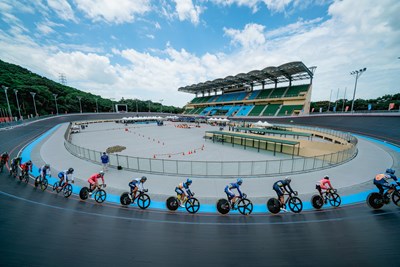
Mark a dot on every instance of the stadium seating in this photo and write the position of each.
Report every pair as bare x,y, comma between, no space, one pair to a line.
233,110
296,90
288,110
278,92
270,110
244,110
256,111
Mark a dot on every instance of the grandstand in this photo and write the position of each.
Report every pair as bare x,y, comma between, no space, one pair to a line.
273,91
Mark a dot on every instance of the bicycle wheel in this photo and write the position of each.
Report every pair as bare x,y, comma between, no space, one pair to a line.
295,204
67,191
37,181
44,184
192,205
396,198
375,201
26,178
273,205
172,203
84,193
100,196
317,201
245,206
223,206
124,199
55,185
335,200
143,201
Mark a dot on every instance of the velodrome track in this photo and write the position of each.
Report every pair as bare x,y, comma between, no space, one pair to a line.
43,229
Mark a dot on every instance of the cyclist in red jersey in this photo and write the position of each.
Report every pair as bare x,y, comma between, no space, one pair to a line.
324,184
93,180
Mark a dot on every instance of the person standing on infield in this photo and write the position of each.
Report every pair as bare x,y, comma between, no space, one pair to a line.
105,161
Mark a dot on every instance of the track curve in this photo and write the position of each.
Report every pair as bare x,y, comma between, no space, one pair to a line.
37,228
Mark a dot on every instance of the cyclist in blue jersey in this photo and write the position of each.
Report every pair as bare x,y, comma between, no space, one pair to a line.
280,187
228,190
135,185
381,182
183,191
65,177
44,171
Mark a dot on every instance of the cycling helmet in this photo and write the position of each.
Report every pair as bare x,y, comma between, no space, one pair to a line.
390,171
144,178
29,162
188,181
326,177
47,165
5,153
70,170
239,181
288,180
101,173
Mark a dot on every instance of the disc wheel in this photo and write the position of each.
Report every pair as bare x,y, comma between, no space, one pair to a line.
245,206
335,200
192,205
67,191
317,201
100,196
172,203
375,201
223,206
143,201
84,193
273,205
125,199
396,198
295,204
44,184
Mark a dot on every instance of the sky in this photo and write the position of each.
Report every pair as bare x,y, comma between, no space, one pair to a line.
147,49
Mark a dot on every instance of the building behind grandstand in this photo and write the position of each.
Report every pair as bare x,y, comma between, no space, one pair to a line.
273,91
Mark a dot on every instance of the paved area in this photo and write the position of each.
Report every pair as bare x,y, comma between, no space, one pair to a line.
371,159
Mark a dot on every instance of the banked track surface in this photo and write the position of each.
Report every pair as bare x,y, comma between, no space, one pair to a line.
43,229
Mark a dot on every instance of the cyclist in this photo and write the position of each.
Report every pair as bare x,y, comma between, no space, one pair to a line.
231,196
4,159
15,162
93,181
65,177
183,191
44,171
381,182
135,185
280,187
26,167
322,184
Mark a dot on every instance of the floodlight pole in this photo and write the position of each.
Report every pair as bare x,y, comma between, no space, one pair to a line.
161,100
357,73
19,109
344,98
8,103
329,105
34,103
55,100
80,104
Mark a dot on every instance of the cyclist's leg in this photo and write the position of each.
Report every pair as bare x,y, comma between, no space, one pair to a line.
135,189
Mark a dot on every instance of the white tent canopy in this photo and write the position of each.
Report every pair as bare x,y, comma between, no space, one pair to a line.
262,124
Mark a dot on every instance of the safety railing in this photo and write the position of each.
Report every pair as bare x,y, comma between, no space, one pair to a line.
222,168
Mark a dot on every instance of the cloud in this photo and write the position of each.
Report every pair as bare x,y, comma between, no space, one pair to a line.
250,37
187,11
63,9
113,12
46,27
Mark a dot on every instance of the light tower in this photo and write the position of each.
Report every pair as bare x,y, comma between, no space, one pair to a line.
357,73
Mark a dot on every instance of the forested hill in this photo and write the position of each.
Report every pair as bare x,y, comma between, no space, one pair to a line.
17,78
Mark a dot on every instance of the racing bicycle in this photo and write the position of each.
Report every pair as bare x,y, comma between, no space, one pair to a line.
66,188
43,182
376,200
24,176
295,204
98,193
2,163
242,204
143,200
330,195
192,204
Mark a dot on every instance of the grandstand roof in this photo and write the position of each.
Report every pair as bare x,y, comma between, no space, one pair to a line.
292,71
